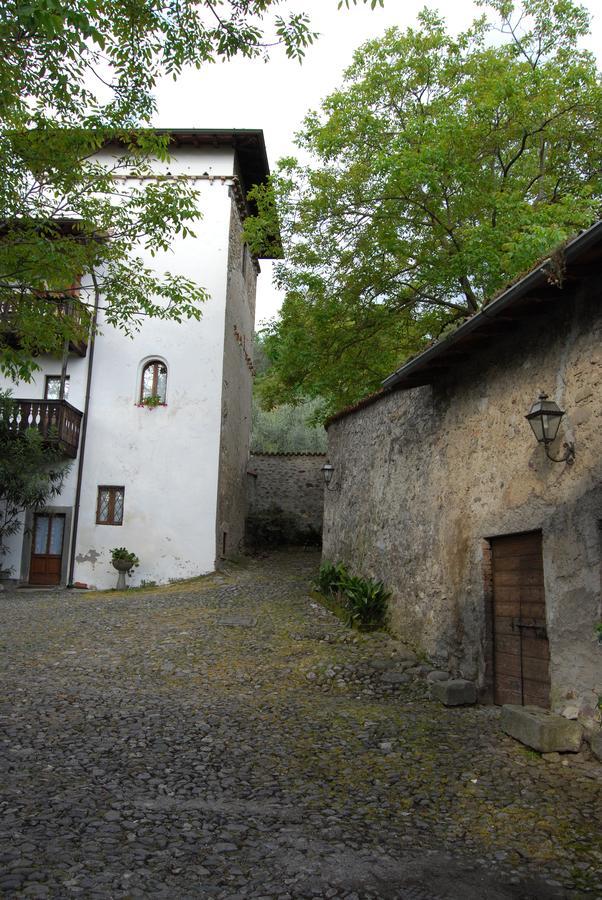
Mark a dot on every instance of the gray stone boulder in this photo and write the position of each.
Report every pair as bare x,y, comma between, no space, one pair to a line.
438,675
541,729
455,692
395,678
418,671
403,653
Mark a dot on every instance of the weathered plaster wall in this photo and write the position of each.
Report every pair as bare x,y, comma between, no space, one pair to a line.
237,386
285,497
425,475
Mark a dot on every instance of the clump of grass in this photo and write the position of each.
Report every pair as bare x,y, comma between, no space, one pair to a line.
364,601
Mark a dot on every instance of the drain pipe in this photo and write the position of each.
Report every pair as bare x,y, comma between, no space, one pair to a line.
82,437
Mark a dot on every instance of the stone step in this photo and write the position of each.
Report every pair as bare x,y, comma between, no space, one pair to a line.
541,729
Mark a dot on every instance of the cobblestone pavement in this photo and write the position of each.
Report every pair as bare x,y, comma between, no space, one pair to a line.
228,737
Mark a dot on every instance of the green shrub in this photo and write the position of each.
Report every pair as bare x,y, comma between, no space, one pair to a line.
331,578
364,601
122,553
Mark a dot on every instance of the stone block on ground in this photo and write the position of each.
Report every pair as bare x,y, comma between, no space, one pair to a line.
541,729
456,692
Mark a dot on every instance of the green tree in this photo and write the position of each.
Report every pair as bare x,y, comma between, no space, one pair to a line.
31,472
73,75
442,168
287,428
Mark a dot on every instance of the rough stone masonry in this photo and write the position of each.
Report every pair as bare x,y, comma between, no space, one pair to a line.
426,477
285,497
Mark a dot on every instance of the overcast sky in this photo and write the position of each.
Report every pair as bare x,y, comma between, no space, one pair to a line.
276,95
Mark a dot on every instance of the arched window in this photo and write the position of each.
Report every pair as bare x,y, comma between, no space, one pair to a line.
153,384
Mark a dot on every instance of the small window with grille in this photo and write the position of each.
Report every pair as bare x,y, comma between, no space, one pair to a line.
109,506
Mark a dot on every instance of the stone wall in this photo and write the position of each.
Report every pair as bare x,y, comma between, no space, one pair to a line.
285,499
237,387
425,476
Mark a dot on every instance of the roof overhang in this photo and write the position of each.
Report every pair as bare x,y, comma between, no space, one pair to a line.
248,144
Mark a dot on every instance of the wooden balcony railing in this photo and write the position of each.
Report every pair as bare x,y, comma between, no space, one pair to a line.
63,307
57,421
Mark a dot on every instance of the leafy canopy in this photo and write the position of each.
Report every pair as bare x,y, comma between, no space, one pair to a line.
75,74
283,429
442,168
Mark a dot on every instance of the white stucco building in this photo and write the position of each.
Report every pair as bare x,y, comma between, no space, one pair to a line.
166,482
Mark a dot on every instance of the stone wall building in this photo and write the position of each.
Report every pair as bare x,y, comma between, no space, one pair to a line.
492,550
285,498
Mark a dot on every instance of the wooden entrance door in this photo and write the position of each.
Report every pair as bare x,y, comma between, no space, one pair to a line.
521,649
47,548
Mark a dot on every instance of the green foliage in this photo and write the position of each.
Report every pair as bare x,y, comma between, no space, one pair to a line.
120,553
71,232
364,600
443,167
75,75
331,578
152,402
286,429
598,632
31,472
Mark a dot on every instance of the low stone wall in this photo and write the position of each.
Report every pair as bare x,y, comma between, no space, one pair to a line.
285,499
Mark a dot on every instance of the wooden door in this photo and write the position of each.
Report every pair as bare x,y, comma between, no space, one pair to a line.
520,641
47,548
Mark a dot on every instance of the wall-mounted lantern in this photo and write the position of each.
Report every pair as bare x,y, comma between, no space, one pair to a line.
544,418
327,473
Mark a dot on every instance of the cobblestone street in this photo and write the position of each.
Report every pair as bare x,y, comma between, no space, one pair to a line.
228,737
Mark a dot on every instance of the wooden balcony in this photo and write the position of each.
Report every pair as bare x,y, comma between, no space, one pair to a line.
57,421
62,307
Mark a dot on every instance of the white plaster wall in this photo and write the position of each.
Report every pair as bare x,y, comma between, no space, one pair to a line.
166,458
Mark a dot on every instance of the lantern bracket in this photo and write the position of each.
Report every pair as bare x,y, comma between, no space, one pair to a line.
327,473
569,453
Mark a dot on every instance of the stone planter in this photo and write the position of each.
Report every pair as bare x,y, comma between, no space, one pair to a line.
123,566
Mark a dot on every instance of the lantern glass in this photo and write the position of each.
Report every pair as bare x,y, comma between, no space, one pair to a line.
544,418
327,471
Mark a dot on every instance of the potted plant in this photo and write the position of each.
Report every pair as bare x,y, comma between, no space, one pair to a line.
152,402
124,561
